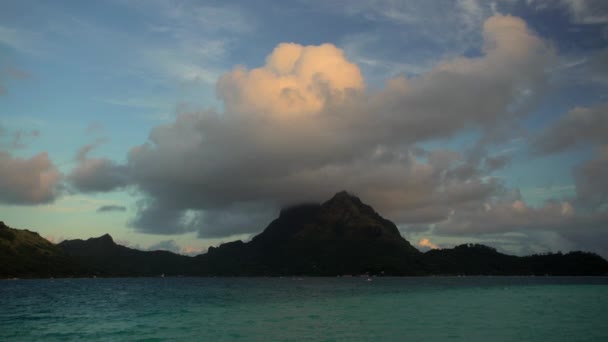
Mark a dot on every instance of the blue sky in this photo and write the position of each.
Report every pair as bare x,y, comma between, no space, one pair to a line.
472,113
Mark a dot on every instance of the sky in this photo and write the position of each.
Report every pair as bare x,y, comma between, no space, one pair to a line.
180,125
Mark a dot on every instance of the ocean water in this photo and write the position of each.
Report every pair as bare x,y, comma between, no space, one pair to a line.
307,309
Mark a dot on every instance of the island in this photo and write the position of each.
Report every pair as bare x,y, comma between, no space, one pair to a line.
342,236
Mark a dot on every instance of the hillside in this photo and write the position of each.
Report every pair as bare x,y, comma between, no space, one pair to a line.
26,254
103,257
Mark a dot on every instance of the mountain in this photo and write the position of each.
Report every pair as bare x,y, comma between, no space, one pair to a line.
26,254
476,259
103,257
339,237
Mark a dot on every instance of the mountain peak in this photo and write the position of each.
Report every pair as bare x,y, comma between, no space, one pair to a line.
344,195
106,238
345,203
344,199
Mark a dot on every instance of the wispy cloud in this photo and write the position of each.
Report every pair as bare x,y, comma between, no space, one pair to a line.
22,40
136,102
182,67
111,208
200,36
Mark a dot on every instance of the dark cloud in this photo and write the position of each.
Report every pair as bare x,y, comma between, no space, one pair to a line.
583,12
588,11
493,163
111,208
28,181
582,126
237,218
578,126
597,67
157,217
97,174
591,179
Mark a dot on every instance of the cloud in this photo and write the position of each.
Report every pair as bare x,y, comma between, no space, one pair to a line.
28,181
226,19
588,11
96,174
578,227
591,180
408,37
578,126
466,14
181,68
20,137
200,36
296,80
598,67
166,245
507,216
82,153
582,126
498,162
111,208
426,243
172,246
304,126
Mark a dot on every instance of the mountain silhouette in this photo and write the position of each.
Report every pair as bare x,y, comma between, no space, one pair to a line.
342,236
103,257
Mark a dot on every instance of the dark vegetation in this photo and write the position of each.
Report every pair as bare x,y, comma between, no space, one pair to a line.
342,236
103,257
26,254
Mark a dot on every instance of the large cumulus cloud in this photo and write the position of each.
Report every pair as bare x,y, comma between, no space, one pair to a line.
304,126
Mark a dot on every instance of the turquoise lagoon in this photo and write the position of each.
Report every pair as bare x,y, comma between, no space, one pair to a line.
306,309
